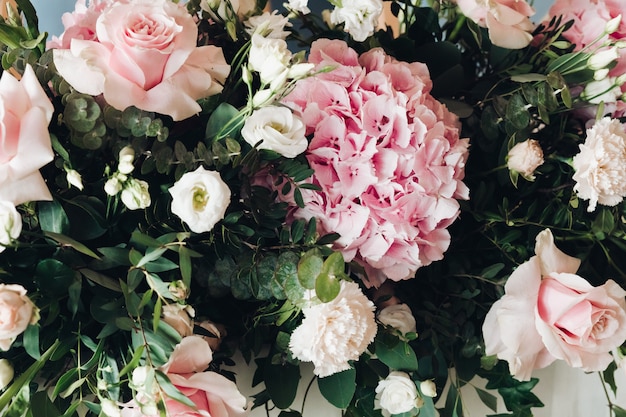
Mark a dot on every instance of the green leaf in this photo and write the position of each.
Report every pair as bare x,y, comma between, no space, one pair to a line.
132,364
65,381
68,241
171,391
53,276
43,406
619,411
52,217
19,404
281,382
454,405
101,279
517,112
328,282
401,356
309,267
184,258
488,399
339,388
224,121
31,341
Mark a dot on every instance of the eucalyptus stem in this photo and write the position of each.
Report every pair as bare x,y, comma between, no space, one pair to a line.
306,393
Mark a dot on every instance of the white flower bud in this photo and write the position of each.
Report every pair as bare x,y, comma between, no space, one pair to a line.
126,156
613,24
525,158
600,74
74,178
110,408
112,186
428,388
6,373
261,97
602,59
10,224
300,70
135,194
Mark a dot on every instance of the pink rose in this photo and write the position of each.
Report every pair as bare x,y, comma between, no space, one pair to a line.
25,146
145,56
17,311
80,24
549,313
506,20
213,394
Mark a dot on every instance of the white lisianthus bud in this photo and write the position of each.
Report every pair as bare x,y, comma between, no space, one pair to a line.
136,195
200,198
6,373
280,80
605,90
261,97
300,70
398,316
10,224
246,75
396,394
600,74
428,388
613,24
602,59
126,157
269,57
112,186
277,129
74,178
525,158
110,408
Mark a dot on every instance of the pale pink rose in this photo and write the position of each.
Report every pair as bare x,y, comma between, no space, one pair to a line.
213,394
600,176
525,157
145,56
17,311
549,313
180,317
25,146
507,21
79,24
334,333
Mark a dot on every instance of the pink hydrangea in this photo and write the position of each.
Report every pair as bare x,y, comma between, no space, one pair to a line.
387,157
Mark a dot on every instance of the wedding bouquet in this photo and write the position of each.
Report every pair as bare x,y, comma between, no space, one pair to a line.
407,195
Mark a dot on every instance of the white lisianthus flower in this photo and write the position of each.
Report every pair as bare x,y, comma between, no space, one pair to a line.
268,25
398,316
200,199
600,176
333,333
396,394
135,194
360,17
278,130
525,157
6,373
10,224
269,57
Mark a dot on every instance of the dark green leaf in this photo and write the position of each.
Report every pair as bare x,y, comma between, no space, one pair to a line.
339,388
401,356
52,217
31,341
282,383
488,399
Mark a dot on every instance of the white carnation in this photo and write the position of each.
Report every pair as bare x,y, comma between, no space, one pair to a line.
333,333
600,176
200,198
396,394
359,17
277,129
398,316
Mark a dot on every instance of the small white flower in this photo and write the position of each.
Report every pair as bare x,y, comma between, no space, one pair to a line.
613,24
126,157
10,224
359,17
6,373
605,90
73,178
278,130
334,333
396,394
110,408
428,388
600,176
525,157
112,186
269,57
135,194
602,59
200,198
398,316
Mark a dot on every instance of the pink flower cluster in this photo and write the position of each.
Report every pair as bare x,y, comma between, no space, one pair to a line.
387,156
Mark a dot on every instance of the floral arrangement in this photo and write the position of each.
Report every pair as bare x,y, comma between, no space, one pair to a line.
407,195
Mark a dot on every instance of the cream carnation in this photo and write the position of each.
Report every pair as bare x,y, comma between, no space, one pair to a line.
336,332
525,157
600,176
396,394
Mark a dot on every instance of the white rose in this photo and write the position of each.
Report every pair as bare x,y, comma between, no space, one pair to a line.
180,317
269,57
396,394
135,194
398,316
334,333
17,311
360,17
6,373
200,199
525,157
600,176
277,129
10,224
